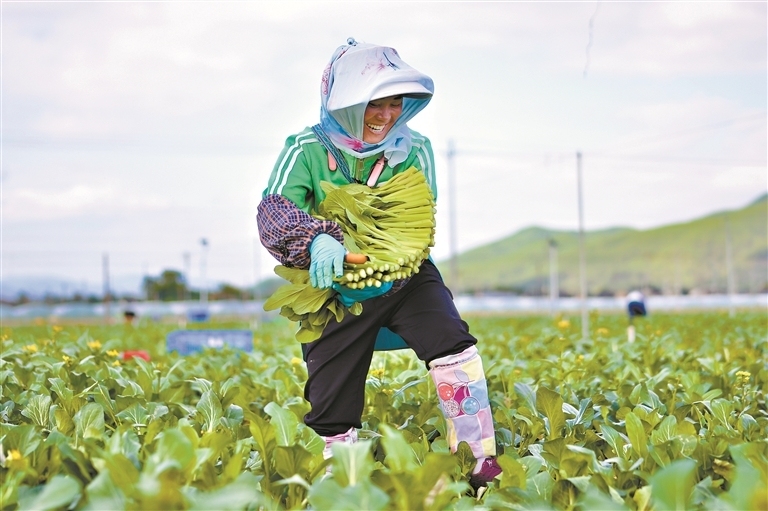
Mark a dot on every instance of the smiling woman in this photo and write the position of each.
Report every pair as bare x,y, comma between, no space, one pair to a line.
379,117
368,95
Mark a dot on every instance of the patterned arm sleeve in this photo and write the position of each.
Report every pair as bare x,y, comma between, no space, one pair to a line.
286,231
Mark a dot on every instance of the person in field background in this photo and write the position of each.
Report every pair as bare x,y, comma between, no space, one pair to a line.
635,309
368,94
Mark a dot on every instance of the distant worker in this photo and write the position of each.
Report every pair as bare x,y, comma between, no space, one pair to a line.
635,308
129,316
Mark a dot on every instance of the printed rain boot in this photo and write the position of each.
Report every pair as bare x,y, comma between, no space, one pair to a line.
463,393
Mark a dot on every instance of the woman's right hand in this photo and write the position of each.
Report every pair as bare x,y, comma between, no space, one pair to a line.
326,260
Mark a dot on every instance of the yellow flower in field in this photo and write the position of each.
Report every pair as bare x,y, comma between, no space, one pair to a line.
296,361
377,373
66,359
94,345
580,359
602,331
743,376
113,353
4,337
116,363
563,323
15,459
31,348
57,328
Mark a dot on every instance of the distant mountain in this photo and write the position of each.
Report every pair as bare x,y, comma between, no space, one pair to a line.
37,287
684,257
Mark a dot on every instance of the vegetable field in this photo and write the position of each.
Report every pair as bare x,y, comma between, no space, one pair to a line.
676,420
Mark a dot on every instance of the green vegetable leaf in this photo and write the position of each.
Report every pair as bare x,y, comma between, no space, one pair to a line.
284,422
637,435
243,493
664,432
513,472
89,421
135,414
209,407
550,404
38,409
59,492
527,393
614,439
400,457
352,463
103,493
328,494
671,486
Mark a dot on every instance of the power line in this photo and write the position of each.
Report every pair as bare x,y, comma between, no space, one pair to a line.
591,33
626,157
487,152
193,145
703,127
702,161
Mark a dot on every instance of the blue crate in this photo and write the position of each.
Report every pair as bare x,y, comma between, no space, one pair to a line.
193,341
198,315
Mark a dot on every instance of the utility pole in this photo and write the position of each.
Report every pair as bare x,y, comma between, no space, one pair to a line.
582,256
452,243
256,280
256,268
144,277
729,269
186,257
105,278
204,284
554,285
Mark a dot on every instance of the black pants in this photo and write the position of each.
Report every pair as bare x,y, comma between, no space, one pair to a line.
422,313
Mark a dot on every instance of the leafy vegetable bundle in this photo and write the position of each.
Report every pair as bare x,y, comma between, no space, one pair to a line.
388,229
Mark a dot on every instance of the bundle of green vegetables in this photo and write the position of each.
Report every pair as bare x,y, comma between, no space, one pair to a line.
388,231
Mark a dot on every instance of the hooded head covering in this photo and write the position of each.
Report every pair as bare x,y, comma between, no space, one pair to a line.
357,74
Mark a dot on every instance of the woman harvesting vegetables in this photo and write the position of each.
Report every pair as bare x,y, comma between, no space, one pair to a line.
368,94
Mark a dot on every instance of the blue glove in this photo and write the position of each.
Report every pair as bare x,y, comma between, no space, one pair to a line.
349,296
327,259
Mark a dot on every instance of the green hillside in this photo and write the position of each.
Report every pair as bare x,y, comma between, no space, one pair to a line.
682,257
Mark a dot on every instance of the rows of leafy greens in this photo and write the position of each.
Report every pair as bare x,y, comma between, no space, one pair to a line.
675,420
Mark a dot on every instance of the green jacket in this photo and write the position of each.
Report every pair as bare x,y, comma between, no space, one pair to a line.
303,165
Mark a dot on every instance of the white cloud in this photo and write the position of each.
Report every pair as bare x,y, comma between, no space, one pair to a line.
78,200
679,38
126,107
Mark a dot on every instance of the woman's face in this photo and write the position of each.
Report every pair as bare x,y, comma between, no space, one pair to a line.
380,116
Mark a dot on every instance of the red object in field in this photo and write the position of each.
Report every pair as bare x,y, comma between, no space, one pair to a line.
130,354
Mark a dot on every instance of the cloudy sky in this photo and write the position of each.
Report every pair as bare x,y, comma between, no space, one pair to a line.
135,129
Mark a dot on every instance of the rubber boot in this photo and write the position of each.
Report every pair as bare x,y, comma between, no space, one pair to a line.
463,393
